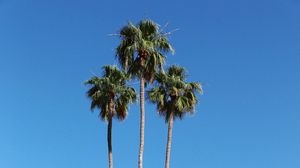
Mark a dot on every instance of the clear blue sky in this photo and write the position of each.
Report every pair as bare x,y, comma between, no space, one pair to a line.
246,54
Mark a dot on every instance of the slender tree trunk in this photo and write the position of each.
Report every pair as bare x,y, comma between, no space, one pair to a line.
109,128
109,141
142,121
168,150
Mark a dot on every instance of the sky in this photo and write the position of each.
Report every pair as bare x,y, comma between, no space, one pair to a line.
246,54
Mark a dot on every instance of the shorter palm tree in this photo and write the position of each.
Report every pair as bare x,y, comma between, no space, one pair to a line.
112,96
174,97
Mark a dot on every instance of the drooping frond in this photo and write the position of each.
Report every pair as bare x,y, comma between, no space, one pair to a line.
130,39
126,96
163,44
195,86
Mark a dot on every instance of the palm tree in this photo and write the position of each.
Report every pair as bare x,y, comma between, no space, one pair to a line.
174,98
112,96
141,54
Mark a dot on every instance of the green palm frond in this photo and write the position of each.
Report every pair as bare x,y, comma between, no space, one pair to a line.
195,86
163,44
176,71
148,28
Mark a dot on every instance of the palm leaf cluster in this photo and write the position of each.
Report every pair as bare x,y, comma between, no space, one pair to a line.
111,89
142,49
172,94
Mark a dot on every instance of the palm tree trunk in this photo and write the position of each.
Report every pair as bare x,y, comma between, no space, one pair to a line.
109,129
142,121
168,150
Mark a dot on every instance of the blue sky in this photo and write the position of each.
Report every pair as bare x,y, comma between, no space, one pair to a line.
246,54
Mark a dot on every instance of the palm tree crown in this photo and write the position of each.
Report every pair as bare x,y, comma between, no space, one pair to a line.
111,88
173,95
142,48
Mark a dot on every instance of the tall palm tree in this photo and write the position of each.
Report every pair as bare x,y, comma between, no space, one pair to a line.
141,54
174,98
112,96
